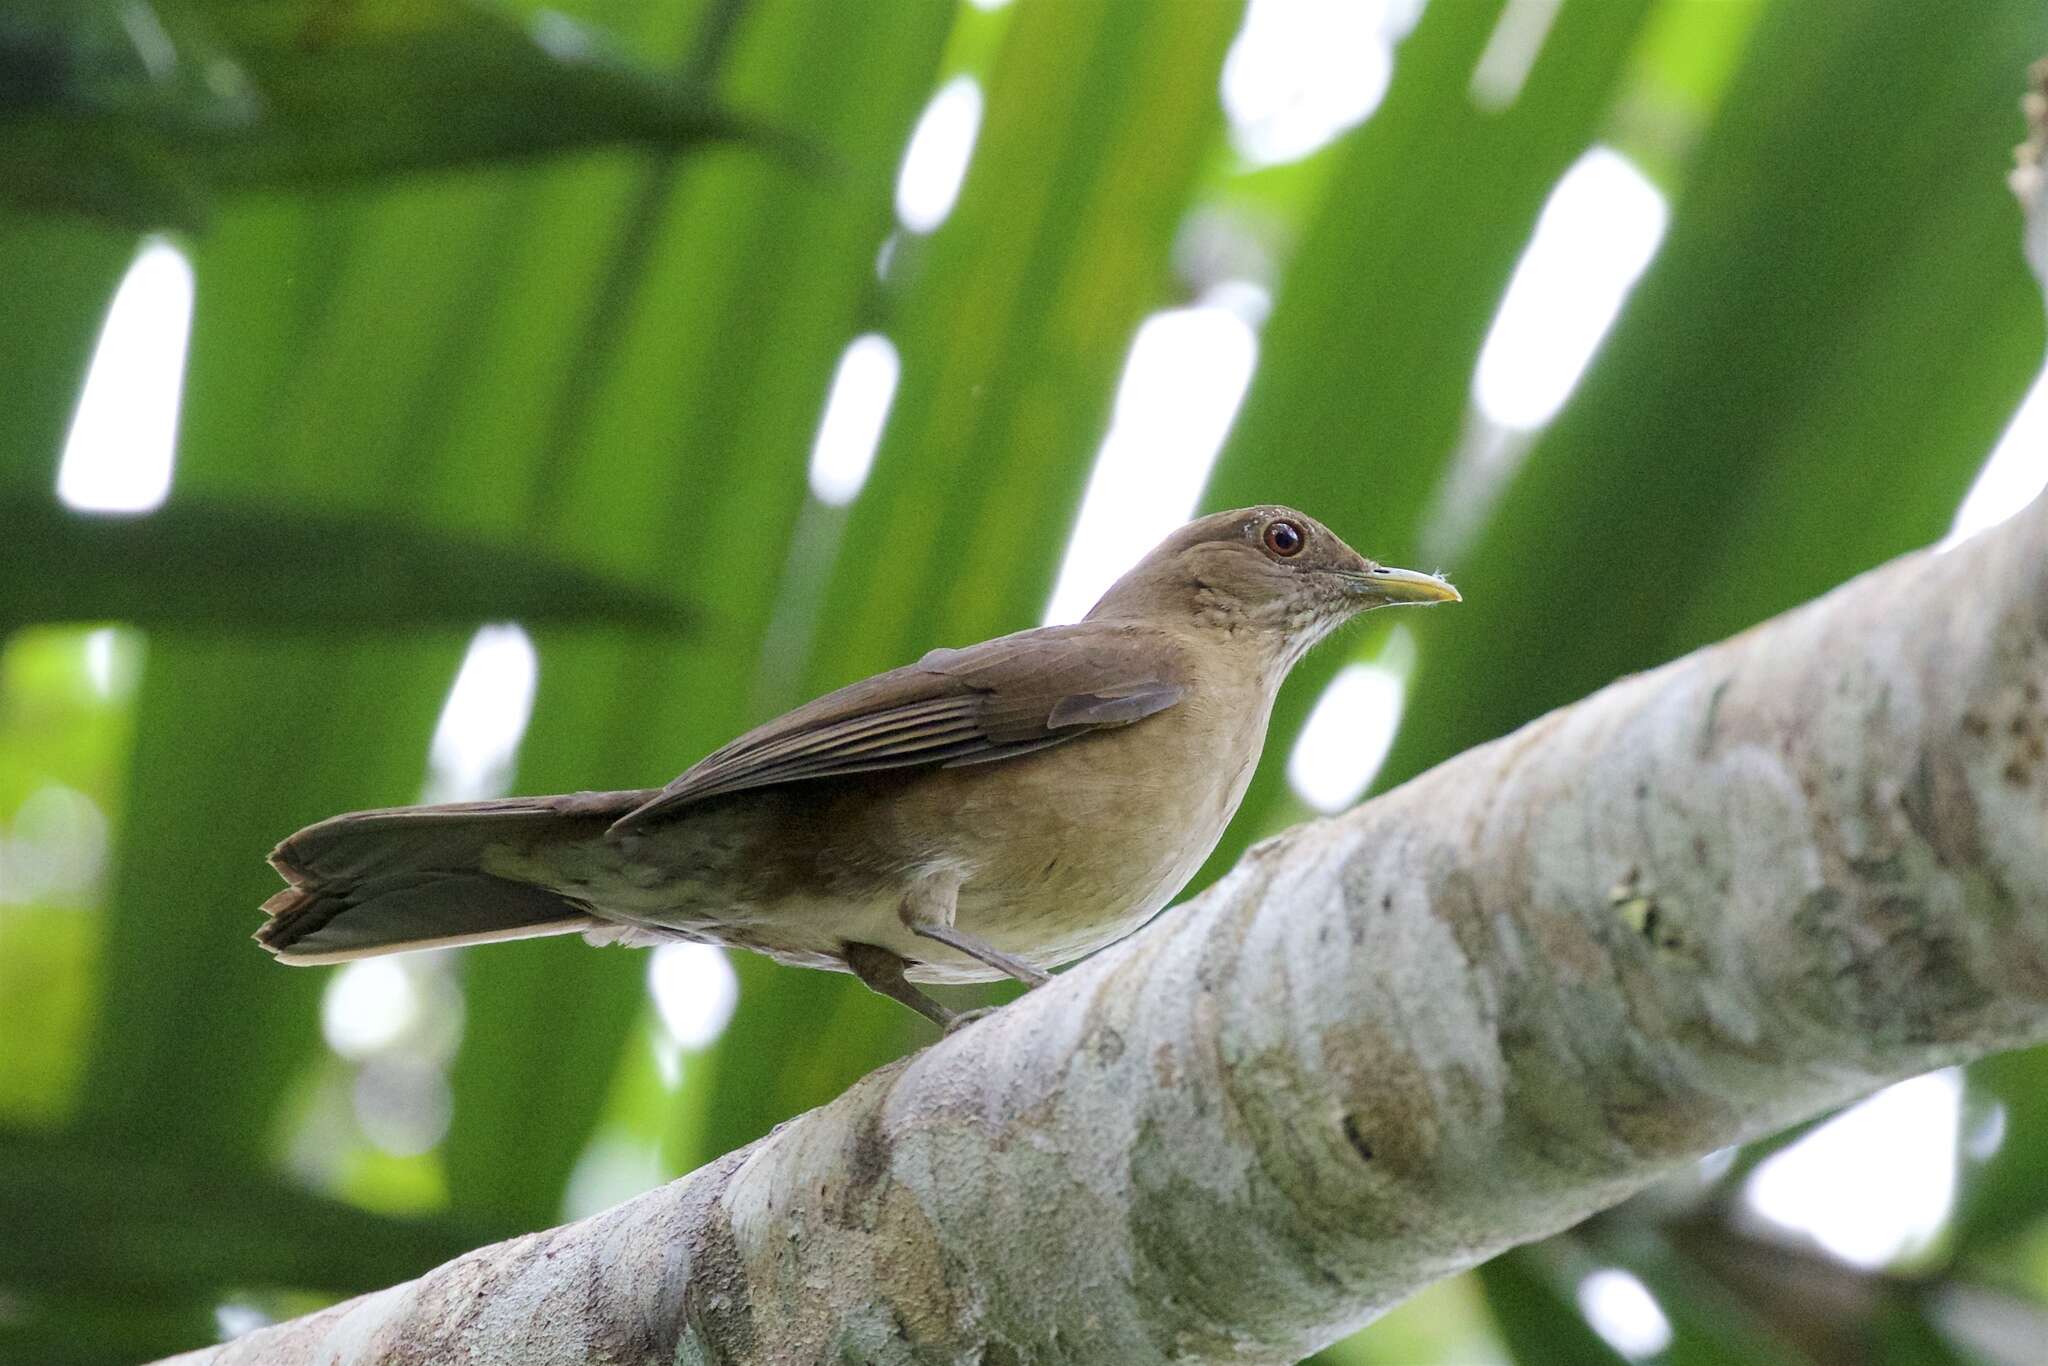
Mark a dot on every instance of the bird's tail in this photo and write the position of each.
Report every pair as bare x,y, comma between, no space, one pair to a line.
374,882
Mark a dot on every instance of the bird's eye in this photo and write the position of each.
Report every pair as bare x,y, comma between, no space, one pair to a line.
1284,538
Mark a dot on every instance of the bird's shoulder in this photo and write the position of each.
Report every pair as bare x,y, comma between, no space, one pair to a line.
1078,657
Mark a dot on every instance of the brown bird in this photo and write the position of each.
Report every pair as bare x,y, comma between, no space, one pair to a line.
987,812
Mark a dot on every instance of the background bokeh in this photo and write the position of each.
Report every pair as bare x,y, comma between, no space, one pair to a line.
426,400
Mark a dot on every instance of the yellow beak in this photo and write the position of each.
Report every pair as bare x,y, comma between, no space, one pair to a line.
1400,587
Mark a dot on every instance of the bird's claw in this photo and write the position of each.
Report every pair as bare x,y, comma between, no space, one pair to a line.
961,1019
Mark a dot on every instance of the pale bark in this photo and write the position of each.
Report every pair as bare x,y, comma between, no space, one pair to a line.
1688,911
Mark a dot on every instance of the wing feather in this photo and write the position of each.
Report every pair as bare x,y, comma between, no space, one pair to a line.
993,701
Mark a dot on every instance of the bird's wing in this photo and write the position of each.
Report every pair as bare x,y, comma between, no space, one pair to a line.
991,701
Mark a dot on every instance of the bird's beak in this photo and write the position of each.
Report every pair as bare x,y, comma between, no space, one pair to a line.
1399,587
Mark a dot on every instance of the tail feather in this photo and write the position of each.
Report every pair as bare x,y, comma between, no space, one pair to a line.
374,882
308,925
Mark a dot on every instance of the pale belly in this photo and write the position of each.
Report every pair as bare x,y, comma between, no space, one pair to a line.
1058,854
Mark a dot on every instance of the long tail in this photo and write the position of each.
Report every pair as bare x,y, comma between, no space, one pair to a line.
409,877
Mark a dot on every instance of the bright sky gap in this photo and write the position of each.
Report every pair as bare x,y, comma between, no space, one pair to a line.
2016,471
1183,381
1597,233
1348,734
615,1167
102,657
694,990
856,411
1301,72
368,1006
1622,1310
1901,1141
124,432
56,848
484,718
935,160
1511,51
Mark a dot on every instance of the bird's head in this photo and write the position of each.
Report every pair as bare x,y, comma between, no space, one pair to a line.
1274,576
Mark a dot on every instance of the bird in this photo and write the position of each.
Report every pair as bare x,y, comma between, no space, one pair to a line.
991,811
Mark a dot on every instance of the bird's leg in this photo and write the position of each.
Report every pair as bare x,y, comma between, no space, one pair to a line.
882,972
987,953
928,911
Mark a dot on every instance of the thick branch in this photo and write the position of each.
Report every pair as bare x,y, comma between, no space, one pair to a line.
1692,909
1687,911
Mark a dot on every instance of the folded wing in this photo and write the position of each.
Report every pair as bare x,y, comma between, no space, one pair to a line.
986,703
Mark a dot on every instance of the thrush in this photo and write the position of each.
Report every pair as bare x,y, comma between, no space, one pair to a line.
986,812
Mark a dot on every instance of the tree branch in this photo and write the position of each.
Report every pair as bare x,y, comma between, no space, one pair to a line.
1700,905
1694,908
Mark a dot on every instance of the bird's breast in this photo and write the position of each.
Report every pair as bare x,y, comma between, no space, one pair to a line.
1069,849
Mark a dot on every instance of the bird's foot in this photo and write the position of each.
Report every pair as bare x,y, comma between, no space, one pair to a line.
963,1018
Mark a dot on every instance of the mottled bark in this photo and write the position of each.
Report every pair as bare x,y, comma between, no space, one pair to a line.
1692,909
1687,911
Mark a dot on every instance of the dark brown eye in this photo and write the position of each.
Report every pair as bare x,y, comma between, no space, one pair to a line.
1284,538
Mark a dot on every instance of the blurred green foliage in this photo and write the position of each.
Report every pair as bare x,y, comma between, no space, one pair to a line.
519,312
143,113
